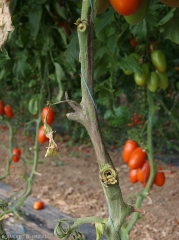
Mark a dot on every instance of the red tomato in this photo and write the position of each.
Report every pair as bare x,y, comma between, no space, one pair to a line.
16,154
133,42
137,158
129,147
50,116
159,179
38,205
143,172
133,175
41,136
8,111
1,107
126,7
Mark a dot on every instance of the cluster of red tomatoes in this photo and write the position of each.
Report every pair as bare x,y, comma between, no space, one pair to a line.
16,154
136,120
6,110
46,111
135,157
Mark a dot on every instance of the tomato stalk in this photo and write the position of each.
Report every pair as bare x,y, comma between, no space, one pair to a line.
144,192
28,187
86,114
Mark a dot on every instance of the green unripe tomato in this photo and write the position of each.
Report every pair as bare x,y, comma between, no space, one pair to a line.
163,80
153,82
127,72
140,14
159,60
141,78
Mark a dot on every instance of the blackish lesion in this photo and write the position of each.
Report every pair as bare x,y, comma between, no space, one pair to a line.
108,175
81,25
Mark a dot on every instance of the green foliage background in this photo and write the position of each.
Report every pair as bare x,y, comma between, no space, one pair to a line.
42,56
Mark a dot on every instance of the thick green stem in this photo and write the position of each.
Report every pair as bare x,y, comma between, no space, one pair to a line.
86,114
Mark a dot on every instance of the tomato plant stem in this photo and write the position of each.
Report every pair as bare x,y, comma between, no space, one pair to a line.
29,182
86,114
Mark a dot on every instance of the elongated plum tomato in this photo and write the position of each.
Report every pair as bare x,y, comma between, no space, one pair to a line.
41,136
137,158
102,6
159,179
153,82
38,205
159,60
1,107
126,7
16,154
143,172
129,147
8,111
140,14
141,78
163,80
170,3
50,116
133,175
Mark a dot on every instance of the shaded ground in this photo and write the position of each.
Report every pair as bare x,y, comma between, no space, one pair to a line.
70,183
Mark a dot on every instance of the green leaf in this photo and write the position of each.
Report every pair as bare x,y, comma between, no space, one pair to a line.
144,29
4,57
100,53
99,230
59,76
32,83
131,64
170,28
22,69
101,66
123,114
105,20
40,1
35,15
108,114
112,43
63,35
72,52
167,17
59,10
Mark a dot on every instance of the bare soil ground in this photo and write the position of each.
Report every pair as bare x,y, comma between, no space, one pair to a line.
70,182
